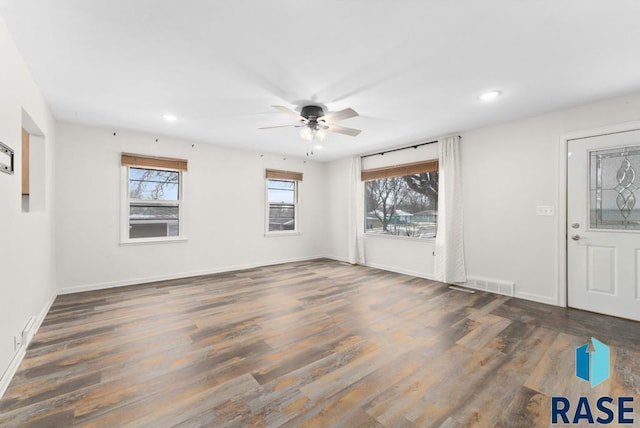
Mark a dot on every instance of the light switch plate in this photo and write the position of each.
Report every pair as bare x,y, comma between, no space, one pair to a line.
548,210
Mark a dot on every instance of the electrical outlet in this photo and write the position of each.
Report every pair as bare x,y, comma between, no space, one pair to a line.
27,332
17,342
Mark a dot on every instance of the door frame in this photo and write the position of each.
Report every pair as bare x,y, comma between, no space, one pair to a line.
563,283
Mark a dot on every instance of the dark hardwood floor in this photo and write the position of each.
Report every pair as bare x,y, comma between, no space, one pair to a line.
317,343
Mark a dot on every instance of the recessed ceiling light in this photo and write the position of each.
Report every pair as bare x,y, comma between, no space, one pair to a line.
317,147
490,95
169,117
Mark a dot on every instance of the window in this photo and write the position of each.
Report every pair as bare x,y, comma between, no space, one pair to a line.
282,201
402,200
282,204
153,198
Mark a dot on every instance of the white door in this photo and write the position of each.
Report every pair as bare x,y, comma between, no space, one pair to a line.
603,224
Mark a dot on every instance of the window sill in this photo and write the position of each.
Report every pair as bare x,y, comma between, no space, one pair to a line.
274,234
145,241
399,237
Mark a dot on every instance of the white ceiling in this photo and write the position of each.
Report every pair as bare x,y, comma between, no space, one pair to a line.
413,69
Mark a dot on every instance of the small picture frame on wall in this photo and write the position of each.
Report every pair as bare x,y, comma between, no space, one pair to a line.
6,158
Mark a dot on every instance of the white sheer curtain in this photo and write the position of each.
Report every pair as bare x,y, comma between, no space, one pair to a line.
356,213
449,260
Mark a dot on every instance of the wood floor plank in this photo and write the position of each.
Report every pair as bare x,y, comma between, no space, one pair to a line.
313,343
489,405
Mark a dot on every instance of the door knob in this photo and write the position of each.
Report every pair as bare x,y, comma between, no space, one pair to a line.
575,237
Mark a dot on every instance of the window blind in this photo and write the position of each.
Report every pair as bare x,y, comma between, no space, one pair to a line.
130,159
399,170
283,175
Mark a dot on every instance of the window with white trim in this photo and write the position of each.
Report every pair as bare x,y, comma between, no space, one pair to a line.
153,193
282,201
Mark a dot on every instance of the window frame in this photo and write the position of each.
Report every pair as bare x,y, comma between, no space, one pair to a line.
396,171
296,208
126,206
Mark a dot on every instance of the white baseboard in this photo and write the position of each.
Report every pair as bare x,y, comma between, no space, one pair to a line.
143,280
337,258
11,370
400,270
6,378
536,298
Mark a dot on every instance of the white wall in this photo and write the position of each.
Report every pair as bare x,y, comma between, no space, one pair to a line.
337,174
224,211
27,270
508,170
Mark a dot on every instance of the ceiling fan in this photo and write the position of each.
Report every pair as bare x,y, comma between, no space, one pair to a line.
313,121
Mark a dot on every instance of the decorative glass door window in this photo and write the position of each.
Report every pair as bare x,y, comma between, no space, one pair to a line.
613,188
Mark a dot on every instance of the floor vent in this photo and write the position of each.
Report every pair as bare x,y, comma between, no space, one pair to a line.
491,285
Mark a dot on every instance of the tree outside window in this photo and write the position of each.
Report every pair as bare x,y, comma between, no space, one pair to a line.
403,206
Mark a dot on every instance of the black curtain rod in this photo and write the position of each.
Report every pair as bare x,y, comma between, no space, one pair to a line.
415,146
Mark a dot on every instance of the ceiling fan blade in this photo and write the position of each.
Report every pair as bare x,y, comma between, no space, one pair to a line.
281,126
339,115
343,130
285,110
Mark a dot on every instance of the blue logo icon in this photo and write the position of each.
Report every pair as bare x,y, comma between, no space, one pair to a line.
593,366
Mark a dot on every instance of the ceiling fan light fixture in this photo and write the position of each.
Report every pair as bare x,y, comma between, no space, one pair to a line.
306,133
314,122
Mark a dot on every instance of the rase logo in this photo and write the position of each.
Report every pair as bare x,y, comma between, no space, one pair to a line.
593,367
